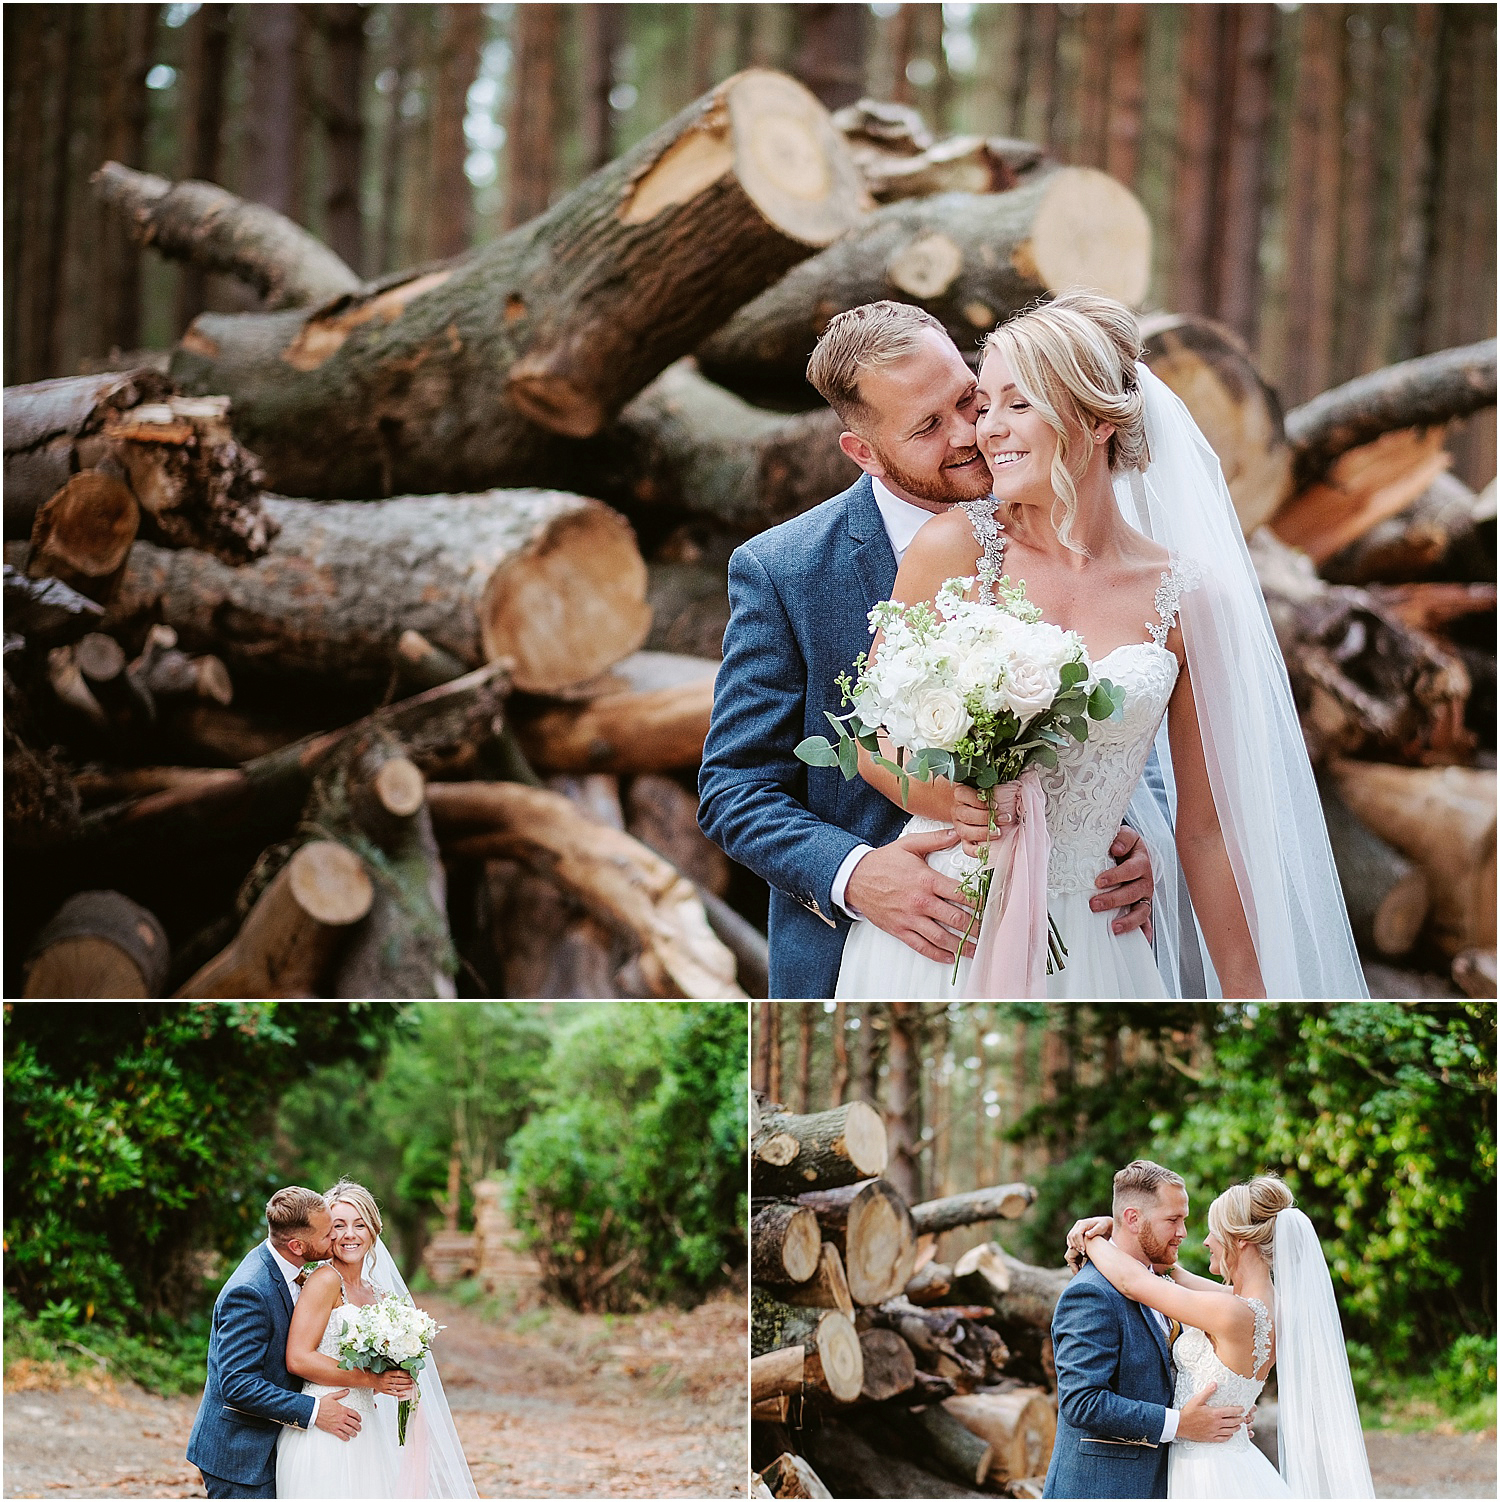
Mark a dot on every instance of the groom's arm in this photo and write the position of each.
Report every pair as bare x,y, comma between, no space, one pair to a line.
1086,1348
246,1331
752,788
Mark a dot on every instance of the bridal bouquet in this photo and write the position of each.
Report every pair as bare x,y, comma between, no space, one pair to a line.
385,1336
977,693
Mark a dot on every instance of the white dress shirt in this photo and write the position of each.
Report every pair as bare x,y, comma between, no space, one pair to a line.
902,523
288,1270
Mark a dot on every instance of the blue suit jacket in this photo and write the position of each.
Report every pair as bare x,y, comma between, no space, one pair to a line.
799,598
1114,1386
249,1394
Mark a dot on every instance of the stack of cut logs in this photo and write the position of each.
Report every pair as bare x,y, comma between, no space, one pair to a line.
431,570
875,1370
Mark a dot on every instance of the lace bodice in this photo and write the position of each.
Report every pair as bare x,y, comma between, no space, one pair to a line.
361,1398
1198,1364
1091,786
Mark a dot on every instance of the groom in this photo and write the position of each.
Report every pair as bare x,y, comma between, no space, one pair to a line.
799,597
1115,1381
250,1394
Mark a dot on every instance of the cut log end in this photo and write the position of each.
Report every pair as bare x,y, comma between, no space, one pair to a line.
400,787
865,1138
1090,232
330,883
85,531
837,1355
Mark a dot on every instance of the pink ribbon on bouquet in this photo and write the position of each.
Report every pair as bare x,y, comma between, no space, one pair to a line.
1010,959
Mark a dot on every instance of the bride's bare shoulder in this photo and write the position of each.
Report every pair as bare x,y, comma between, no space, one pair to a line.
943,549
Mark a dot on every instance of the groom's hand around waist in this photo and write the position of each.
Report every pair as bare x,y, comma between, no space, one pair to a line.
333,1418
899,892
1204,1425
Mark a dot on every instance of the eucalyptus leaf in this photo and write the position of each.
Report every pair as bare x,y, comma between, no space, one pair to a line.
817,752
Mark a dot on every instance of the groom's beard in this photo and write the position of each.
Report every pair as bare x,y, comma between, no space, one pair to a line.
1162,1254
950,485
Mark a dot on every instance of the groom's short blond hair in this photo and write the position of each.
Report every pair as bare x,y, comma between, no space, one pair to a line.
1139,1183
290,1210
864,338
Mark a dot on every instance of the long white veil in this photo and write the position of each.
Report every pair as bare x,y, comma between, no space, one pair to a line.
1319,1439
432,1460
1263,787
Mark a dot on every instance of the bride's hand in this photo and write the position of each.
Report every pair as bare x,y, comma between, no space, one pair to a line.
396,1384
1081,1230
972,815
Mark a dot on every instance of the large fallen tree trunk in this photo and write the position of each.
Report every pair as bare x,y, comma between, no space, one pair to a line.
790,1154
1020,1425
458,377
970,259
98,944
686,447
1210,368
872,1229
551,581
622,882
195,484
1002,1202
1416,393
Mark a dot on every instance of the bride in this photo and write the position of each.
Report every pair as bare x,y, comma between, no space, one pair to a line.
314,1463
1278,1311
1111,507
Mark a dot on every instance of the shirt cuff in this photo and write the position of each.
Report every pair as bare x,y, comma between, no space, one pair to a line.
841,879
1169,1427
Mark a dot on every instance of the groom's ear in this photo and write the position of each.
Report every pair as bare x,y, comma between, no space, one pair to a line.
862,454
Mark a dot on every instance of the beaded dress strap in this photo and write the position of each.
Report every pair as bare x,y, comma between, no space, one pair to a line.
1261,1347
990,535
1182,576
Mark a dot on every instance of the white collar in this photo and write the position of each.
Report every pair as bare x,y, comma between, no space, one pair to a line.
289,1270
902,519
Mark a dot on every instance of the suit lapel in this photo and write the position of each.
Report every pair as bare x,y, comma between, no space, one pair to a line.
1158,1335
874,560
274,1269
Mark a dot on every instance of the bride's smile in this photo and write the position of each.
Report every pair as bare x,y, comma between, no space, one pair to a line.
352,1238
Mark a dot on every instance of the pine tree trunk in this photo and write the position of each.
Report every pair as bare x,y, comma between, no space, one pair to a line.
901,1100
1197,151
344,130
531,140
394,143
1127,104
1359,204
831,59
52,302
601,38
273,162
460,37
208,56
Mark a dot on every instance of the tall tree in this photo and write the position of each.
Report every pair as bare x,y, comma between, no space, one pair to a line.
460,36
531,146
1122,147
903,50
1357,211
273,158
839,1086
765,1025
805,1020
1249,52
601,40
401,72
831,56
1193,189
1412,79
207,68
344,128
51,303
902,1100
1095,76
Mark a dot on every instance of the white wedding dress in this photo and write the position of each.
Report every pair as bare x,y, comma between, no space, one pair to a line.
313,1463
1087,795
1234,1468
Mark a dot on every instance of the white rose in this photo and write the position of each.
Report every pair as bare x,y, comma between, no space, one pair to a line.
1028,688
940,718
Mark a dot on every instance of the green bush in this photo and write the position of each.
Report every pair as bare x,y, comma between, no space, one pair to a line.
629,1181
1465,1374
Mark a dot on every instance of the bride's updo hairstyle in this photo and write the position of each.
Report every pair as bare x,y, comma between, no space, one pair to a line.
362,1200
1245,1215
1074,360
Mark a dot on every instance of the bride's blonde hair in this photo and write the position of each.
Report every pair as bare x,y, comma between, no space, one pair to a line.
1074,360
1245,1215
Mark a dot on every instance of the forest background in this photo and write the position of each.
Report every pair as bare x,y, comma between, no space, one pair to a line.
1380,1117
142,1141
1321,176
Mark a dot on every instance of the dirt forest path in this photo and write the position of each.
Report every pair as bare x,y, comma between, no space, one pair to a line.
552,1404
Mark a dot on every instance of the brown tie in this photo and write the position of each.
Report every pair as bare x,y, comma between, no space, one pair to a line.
301,1278
1174,1329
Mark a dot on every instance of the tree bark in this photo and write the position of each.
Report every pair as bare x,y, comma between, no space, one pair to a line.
832,1363
663,814
1003,1202
1210,368
776,1373
209,228
903,1095
625,885
1019,1425
1122,148
461,34
958,1451
1019,1293
1386,894
1196,143
1441,535
98,944
969,259
344,131
531,138
447,373
793,1154
784,1244
653,717
828,1288
1443,818
208,55
872,1229
1415,393
550,581
287,943
273,163
831,59
601,37
890,1367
